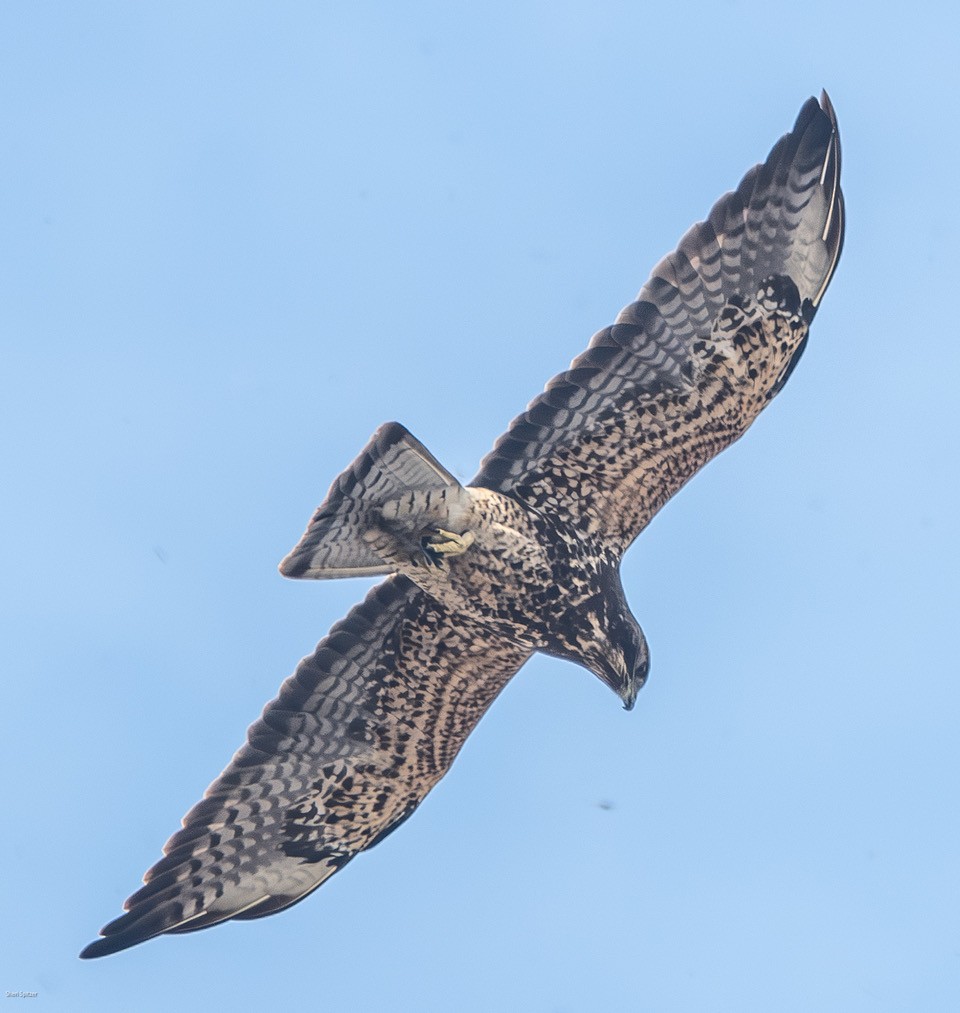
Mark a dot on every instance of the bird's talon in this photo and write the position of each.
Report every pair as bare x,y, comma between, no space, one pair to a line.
438,543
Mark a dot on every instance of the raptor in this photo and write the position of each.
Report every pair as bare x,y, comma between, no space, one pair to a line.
524,558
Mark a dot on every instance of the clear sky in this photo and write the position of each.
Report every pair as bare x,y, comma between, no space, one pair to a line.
237,237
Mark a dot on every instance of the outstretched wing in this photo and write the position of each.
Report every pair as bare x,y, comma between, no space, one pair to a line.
686,368
359,734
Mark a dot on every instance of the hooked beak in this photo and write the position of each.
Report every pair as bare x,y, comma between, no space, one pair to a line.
634,682
628,680
629,696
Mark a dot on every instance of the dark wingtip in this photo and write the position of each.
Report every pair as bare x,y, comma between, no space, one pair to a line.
808,112
827,107
103,947
138,924
836,222
129,930
293,566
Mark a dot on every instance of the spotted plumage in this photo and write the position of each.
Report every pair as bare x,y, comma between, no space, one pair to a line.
525,558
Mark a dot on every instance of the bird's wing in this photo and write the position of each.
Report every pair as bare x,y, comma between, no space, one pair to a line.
358,735
662,391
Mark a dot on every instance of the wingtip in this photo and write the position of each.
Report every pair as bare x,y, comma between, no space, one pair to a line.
835,224
136,926
94,949
827,106
292,565
113,940
104,946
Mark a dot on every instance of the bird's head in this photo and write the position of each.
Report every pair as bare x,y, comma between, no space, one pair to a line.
601,634
624,659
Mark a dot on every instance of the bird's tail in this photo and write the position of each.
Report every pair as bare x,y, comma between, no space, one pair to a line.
392,465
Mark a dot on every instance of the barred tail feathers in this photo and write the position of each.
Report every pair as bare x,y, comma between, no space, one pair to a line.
392,464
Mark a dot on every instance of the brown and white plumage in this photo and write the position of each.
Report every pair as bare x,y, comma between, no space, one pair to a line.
609,439
525,558
357,736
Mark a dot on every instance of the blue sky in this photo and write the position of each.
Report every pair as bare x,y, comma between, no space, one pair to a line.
237,238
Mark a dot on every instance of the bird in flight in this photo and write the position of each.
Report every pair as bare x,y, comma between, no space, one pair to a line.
524,558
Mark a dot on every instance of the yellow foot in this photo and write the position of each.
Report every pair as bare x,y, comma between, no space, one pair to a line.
438,545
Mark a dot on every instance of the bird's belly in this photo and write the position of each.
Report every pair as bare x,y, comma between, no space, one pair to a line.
499,580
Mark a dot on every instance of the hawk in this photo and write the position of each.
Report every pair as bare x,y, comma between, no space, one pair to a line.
524,558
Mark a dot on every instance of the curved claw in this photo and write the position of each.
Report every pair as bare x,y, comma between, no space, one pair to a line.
426,557
437,544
